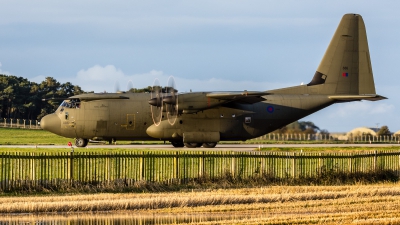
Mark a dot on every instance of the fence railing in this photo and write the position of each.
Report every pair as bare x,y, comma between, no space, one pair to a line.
19,123
35,169
327,137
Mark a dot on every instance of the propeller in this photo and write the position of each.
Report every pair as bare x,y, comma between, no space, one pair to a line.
171,101
129,87
156,102
116,87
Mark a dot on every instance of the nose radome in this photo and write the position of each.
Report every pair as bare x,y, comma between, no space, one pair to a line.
51,123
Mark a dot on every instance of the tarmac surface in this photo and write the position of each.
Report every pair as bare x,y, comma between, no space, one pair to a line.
219,147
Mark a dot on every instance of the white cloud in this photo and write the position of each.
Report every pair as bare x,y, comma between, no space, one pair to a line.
362,109
38,79
4,72
107,78
99,73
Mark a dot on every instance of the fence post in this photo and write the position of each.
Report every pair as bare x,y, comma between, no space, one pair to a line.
201,166
176,165
233,164
141,166
350,163
71,169
294,165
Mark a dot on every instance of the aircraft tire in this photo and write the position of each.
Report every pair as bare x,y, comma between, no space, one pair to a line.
192,144
209,144
177,144
81,142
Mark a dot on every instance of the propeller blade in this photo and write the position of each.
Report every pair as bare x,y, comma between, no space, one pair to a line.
116,87
156,102
171,101
129,87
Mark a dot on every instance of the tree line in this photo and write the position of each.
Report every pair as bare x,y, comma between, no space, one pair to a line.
22,99
301,127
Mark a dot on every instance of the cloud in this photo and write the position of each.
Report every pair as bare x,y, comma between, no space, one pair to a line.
38,79
99,73
107,78
4,72
362,109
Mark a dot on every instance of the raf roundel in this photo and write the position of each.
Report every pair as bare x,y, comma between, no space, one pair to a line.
270,109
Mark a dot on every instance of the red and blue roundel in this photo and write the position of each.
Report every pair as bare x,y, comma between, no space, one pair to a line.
270,109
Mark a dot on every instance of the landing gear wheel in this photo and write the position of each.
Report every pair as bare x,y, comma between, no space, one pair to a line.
209,144
193,145
81,142
177,144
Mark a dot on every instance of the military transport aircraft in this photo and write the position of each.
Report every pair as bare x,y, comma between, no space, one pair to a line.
196,119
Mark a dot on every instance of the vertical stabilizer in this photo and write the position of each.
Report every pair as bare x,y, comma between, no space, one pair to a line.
346,65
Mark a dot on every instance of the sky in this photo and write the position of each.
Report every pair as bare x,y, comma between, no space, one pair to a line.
206,45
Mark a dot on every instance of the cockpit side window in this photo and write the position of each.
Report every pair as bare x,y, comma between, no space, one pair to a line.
71,104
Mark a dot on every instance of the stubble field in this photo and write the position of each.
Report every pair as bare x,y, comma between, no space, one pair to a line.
365,204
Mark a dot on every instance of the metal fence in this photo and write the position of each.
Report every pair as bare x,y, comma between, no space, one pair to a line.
37,169
19,123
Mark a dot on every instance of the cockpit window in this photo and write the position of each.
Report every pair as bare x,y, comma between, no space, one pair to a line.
72,104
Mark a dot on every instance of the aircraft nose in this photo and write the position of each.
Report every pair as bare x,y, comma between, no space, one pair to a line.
51,123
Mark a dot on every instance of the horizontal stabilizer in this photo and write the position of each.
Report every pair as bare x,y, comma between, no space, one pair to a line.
347,98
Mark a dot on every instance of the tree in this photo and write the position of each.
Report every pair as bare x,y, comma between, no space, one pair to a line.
51,88
384,131
304,127
22,99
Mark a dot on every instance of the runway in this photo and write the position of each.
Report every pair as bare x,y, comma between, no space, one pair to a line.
219,147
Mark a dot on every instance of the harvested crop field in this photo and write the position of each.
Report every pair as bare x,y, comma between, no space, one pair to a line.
365,204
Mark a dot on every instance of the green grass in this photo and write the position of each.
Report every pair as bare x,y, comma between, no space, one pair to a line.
12,136
15,136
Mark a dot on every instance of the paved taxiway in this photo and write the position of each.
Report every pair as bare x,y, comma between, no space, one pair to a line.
219,147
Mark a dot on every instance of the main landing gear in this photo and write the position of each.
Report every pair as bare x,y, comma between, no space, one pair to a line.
178,144
81,142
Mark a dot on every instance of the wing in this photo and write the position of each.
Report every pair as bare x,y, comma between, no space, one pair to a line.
245,97
98,96
193,102
90,97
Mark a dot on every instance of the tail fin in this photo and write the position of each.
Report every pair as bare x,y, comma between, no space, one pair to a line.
345,72
346,66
